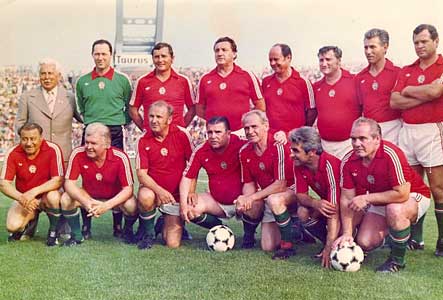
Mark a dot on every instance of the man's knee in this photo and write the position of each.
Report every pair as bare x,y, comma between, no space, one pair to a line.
53,199
130,206
396,215
275,201
146,199
66,202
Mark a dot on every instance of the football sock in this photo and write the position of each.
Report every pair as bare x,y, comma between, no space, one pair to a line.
296,228
117,216
317,227
399,240
147,221
207,221
417,230
439,216
284,223
73,218
249,224
129,222
53,216
86,220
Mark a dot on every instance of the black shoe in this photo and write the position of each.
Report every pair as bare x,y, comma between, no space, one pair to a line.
414,245
118,233
86,233
439,248
248,241
15,236
307,237
390,266
159,224
146,242
282,254
72,242
52,239
186,236
140,233
129,237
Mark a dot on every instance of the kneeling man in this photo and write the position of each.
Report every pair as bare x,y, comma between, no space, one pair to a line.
107,183
381,192
37,166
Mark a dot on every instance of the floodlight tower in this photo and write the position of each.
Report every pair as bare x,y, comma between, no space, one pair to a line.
139,26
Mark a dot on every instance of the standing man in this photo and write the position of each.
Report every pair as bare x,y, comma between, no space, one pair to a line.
336,92
106,183
320,171
161,159
163,83
51,106
377,179
266,165
375,84
103,96
289,97
419,94
37,167
228,89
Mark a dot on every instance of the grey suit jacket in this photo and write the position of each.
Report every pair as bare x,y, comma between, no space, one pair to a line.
57,127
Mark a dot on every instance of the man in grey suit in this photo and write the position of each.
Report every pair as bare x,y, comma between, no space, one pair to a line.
53,108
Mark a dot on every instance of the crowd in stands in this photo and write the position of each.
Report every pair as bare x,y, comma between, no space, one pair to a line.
16,80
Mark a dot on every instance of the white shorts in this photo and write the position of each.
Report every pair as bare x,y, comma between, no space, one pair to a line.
229,210
170,209
338,149
390,130
268,216
422,144
422,201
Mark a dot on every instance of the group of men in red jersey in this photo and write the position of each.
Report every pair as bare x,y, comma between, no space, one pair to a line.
375,122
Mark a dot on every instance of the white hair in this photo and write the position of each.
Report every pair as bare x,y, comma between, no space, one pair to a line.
50,61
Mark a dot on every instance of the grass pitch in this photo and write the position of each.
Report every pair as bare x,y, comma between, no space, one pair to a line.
104,268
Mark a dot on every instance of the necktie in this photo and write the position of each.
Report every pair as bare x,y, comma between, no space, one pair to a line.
51,101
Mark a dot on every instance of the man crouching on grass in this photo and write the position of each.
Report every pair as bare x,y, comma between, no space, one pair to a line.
107,183
37,166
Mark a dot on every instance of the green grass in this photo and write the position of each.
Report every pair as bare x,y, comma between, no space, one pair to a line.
104,268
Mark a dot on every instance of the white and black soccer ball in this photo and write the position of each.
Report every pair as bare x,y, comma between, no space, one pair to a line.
347,258
220,238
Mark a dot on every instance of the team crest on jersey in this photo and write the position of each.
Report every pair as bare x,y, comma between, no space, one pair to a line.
375,85
223,165
421,79
101,85
99,177
279,91
32,169
331,93
162,91
261,165
164,151
371,179
222,86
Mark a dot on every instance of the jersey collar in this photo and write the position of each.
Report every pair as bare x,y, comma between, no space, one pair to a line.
107,75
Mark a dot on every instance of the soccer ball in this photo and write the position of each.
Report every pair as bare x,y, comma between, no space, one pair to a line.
347,258
220,238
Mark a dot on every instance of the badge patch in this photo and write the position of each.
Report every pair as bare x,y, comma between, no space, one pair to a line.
375,85
261,165
99,177
162,91
279,91
101,85
331,93
164,151
421,79
222,86
371,179
32,169
223,165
